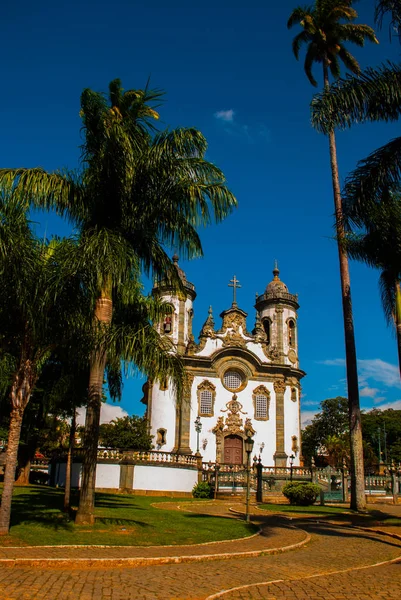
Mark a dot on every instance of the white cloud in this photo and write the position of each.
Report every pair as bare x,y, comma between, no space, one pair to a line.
108,412
380,371
307,416
335,362
396,405
368,392
225,115
371,369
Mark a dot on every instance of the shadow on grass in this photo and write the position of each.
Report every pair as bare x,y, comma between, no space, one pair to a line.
121,522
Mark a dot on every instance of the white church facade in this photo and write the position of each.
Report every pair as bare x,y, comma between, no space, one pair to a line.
237,383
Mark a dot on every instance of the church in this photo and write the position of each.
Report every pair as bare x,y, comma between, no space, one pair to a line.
238,383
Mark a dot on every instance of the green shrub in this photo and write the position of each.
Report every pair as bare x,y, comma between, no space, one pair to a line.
301,493
202,490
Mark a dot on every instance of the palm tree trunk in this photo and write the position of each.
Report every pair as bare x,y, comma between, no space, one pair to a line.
358,499
85,514
398,321
69,464
20,394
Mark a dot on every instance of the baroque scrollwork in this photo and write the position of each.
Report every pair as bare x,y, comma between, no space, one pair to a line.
279,386
188,381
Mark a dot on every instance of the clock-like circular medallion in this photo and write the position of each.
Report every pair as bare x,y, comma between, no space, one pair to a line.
292,356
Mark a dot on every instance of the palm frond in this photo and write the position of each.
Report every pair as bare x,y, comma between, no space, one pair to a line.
371,181
374,96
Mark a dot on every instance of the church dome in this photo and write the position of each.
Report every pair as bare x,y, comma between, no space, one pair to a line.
276,285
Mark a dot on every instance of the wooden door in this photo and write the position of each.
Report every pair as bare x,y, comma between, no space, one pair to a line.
233,450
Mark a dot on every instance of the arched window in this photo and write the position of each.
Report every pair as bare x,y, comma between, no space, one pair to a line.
294,394
261,403
267,327
291,332
206,396
168,323
161,437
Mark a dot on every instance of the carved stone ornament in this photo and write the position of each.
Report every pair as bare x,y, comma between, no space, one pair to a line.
233,406
292,356
219,425
234,339
279,386
234,320
249,430
188,381
208,327
272,353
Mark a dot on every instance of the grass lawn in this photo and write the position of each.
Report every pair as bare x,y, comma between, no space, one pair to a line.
122,520
312,510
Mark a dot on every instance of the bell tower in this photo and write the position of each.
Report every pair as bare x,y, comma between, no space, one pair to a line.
277,310
178,324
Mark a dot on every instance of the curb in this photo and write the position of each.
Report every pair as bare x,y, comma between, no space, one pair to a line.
146,561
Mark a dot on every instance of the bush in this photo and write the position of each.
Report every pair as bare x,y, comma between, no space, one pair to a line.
202,490
301,493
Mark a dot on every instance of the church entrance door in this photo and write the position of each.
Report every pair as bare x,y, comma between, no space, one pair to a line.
233,450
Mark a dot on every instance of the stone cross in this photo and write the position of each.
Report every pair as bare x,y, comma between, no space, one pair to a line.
234,283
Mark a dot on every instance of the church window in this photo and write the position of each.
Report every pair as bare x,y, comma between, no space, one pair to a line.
206,402
291,333
206,396
168,323
233,380
260,407
161,437
266,327
261,403
293,394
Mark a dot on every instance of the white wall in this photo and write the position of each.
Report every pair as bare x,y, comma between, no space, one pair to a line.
108,476
147,477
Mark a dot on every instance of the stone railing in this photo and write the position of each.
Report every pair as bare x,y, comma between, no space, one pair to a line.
117,455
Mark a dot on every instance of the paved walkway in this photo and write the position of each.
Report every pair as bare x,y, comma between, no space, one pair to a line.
329,562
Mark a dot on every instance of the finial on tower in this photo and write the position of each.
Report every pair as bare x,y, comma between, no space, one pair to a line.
176,258
276,272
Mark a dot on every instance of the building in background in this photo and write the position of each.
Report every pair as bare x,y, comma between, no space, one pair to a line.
237,382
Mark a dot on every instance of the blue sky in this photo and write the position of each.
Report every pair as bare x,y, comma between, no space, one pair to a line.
227,69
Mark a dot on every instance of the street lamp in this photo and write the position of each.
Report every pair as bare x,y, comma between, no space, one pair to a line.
292,458
248,449
198,429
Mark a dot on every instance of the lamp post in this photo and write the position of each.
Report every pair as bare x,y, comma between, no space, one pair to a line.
198,429
292,458
248,449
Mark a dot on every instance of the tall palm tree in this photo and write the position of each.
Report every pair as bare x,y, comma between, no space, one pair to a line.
326,26
139,192
373,96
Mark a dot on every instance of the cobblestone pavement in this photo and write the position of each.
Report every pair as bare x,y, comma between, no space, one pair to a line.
331,549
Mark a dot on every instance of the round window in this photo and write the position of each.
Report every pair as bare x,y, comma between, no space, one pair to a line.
233,380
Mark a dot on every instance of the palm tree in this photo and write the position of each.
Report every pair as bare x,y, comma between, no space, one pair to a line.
326,26
37,314
138,193
373,96
380,247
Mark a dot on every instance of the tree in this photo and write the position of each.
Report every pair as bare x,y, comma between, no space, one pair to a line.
138,193
126,433
380,247
331,421
326,26
38,313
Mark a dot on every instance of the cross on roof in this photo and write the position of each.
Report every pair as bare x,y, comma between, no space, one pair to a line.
234,283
